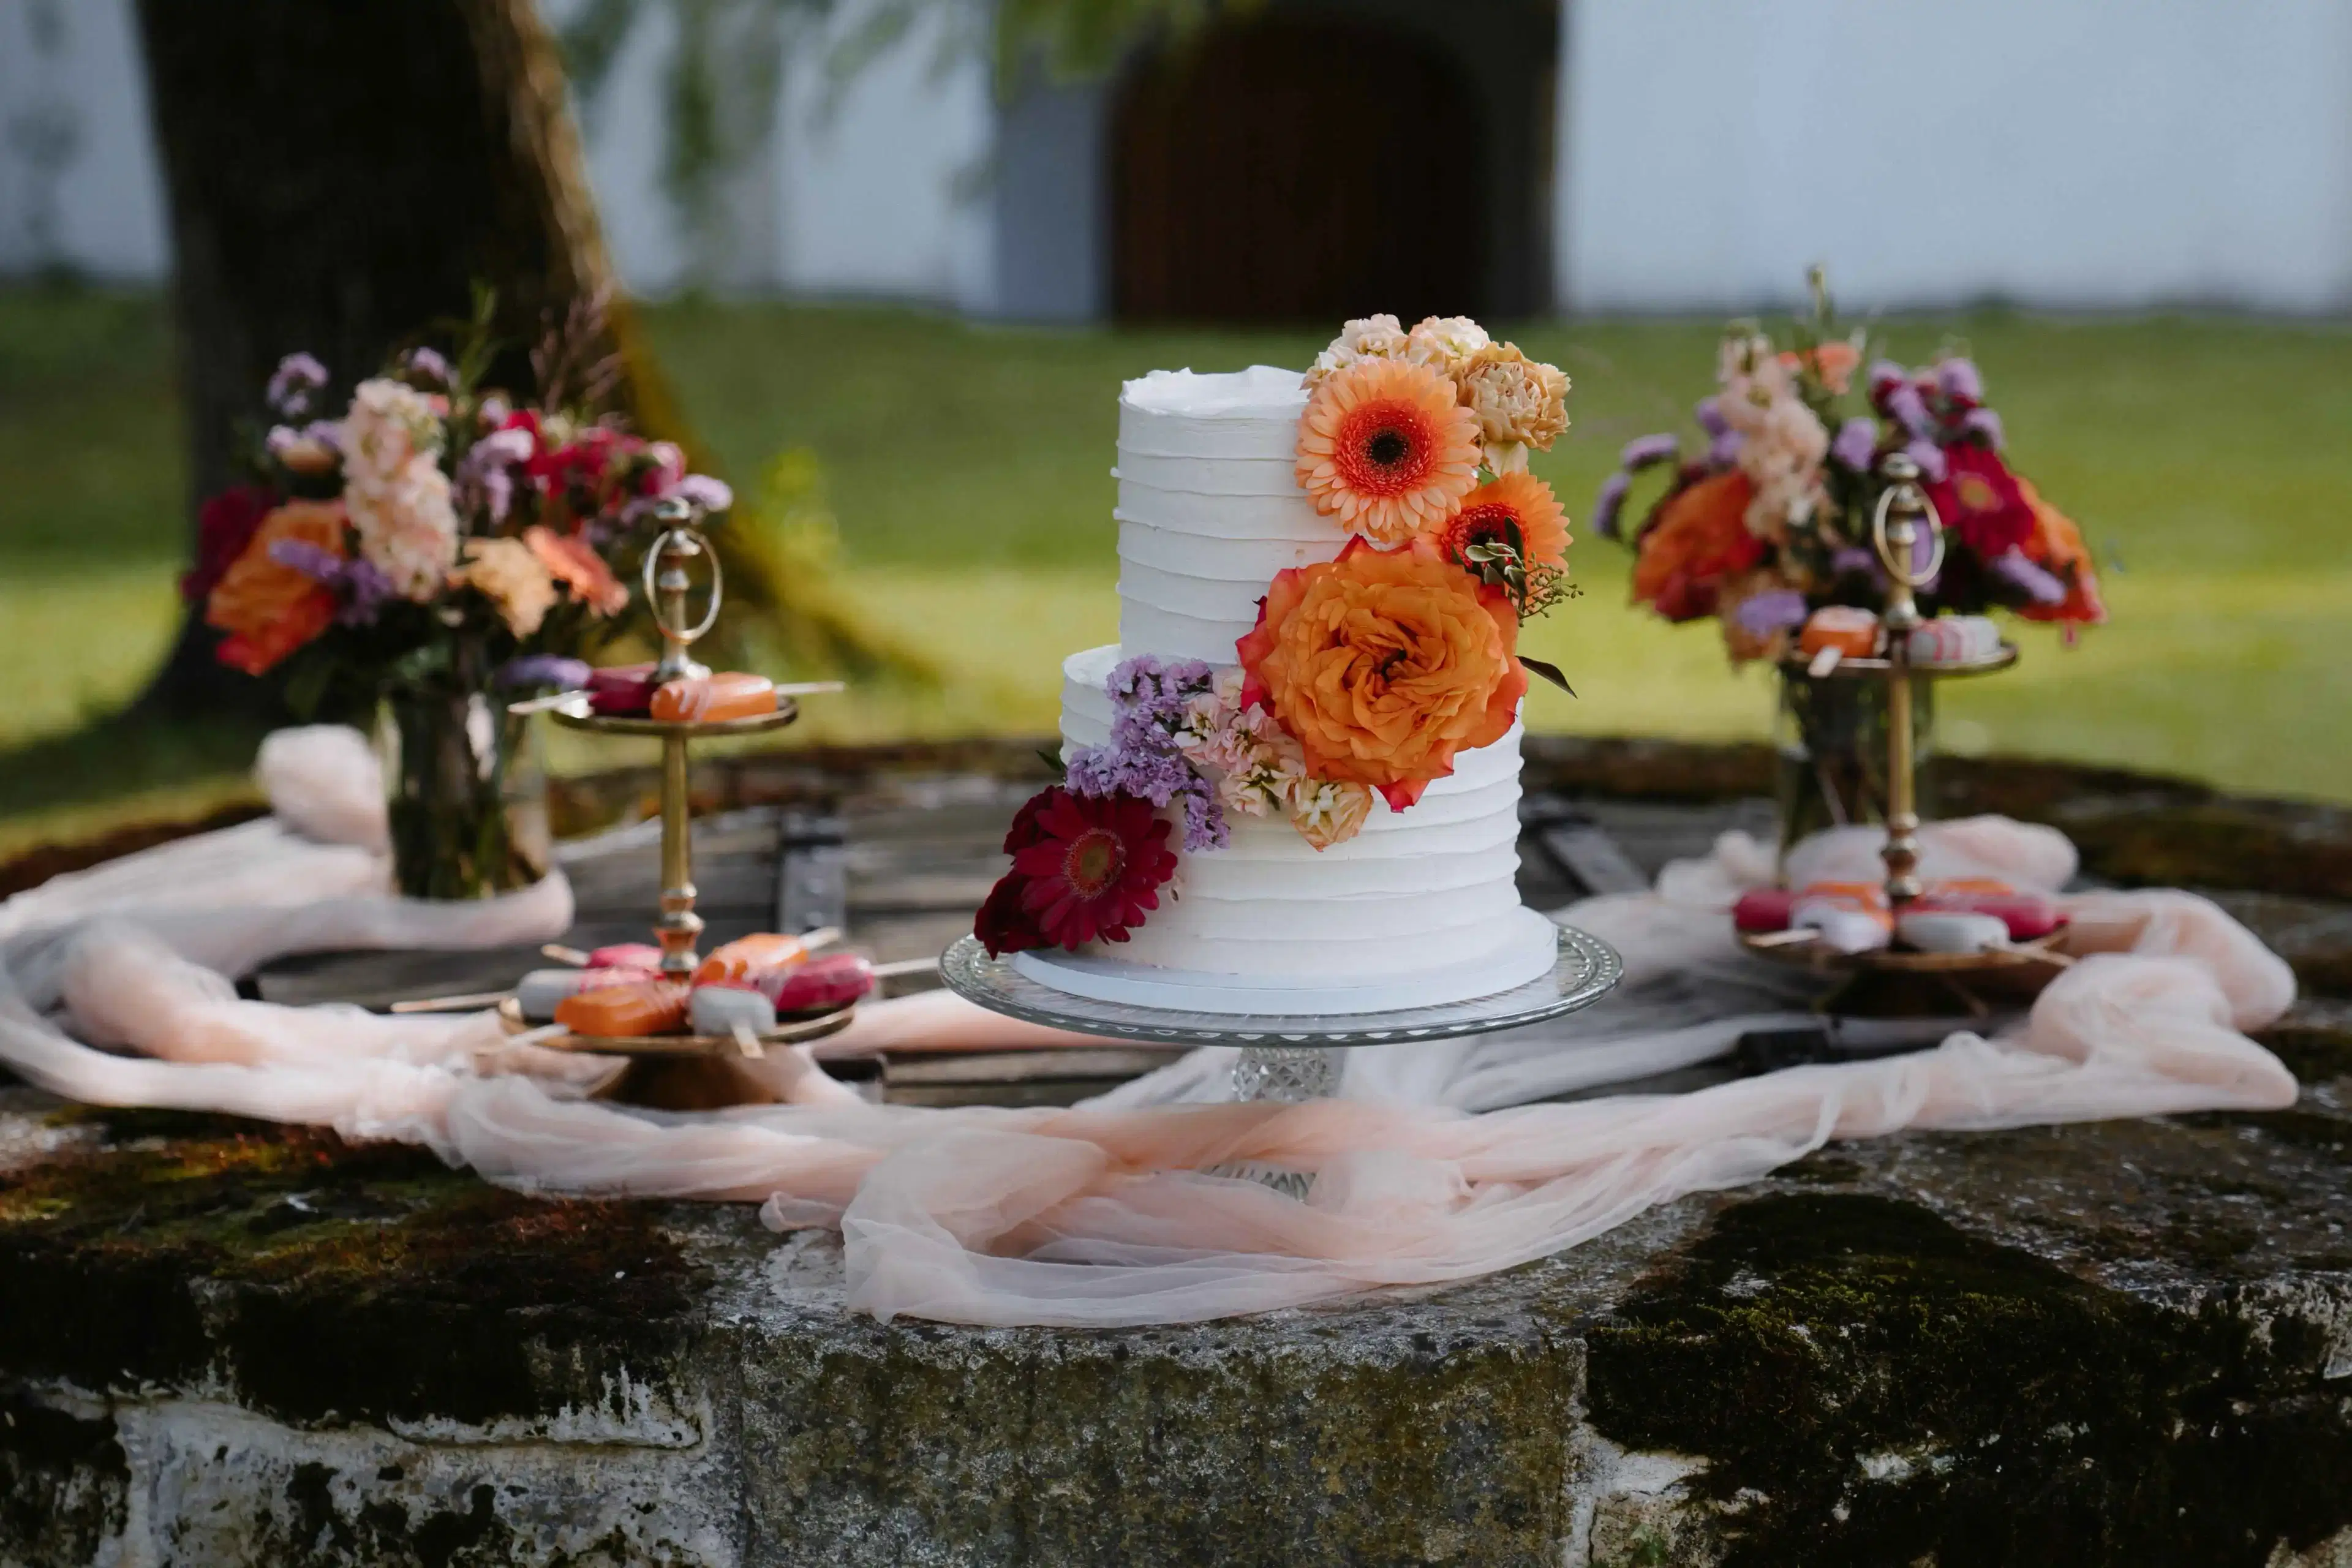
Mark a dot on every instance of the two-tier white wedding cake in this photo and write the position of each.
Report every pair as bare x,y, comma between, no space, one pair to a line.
1418,907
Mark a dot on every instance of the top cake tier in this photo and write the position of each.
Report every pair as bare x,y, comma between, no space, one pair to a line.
1209,507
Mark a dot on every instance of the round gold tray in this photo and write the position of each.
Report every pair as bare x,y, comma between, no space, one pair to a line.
796,1031
2037,953
2000,659
577,715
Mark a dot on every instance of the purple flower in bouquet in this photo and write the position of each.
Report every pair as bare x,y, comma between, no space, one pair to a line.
1708,412
367,589
1724,451
1852,558
1958,380
2034,581
298,376
709,494
1643,451
1985,426
1856,443
1775,610
1610,504
1885,376
1930,458
542,670
1907,408
362,588
426,366
487,470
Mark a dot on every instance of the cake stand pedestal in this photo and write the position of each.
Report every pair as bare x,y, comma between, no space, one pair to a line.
1286,1057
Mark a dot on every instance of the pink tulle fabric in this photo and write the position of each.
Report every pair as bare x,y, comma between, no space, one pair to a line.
1429,1168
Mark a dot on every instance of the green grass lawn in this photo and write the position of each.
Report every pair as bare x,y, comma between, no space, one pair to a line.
969,469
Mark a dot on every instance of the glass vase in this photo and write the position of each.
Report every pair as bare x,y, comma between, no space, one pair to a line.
1831,739
465,796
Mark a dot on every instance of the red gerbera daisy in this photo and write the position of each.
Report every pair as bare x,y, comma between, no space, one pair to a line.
1386,449
1003,925
1979,499
1095,868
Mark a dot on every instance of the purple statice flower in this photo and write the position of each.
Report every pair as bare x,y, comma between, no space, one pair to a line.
1776,610
317,563
1724,450
1848,558
297,376
368,590
1908,408
1162,777
1645,451
429,366
1957,379
1985,426
1610,504
709,494
1930,458
487,470
360,585
542,670
1708,412
1856,443
2028,577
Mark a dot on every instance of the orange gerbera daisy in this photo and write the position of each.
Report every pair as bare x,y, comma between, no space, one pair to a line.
1385,446
1517,510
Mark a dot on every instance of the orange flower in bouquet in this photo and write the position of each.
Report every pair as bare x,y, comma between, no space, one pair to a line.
2056,546
1383,665
574,562
1385,448
1697,541
268,607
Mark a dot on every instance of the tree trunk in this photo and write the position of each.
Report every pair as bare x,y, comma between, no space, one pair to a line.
339,175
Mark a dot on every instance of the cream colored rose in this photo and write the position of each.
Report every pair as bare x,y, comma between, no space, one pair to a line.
506,573
1445,343
1373,337
1520,403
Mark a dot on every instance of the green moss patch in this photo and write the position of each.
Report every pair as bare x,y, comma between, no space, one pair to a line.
324,1280
1870,1384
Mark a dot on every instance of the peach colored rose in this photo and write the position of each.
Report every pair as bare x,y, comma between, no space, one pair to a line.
1384,664
268,608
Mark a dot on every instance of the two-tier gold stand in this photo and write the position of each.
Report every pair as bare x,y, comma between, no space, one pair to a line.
677,929
1894,981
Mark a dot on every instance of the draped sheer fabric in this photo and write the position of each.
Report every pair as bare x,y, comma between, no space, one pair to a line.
1430,1166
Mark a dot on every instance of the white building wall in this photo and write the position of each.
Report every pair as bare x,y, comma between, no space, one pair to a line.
78,184
2063,152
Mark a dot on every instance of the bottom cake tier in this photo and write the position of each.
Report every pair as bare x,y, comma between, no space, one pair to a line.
1420,909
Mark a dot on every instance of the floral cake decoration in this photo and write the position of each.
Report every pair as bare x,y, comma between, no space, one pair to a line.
1366,675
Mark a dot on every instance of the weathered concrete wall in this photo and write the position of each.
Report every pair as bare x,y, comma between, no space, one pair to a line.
2126,1342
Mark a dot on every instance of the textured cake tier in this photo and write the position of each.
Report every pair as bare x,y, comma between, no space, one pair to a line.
1430,888
1209,505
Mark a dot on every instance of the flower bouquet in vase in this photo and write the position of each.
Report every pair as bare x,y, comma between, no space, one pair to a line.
1768,527
433,551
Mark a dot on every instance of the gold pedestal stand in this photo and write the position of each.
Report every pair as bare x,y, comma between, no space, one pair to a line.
1894,981
678,929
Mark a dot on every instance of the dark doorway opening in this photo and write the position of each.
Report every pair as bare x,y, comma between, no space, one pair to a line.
1298,169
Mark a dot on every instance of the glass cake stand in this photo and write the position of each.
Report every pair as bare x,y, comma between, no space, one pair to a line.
1287,1057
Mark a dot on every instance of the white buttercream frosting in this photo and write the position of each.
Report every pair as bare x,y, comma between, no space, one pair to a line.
1422,906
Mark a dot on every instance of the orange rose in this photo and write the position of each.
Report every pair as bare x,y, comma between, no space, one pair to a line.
1697,538
1384,664
2056,545
269,608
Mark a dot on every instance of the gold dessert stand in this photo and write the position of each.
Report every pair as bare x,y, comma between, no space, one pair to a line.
1893,982
677,929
